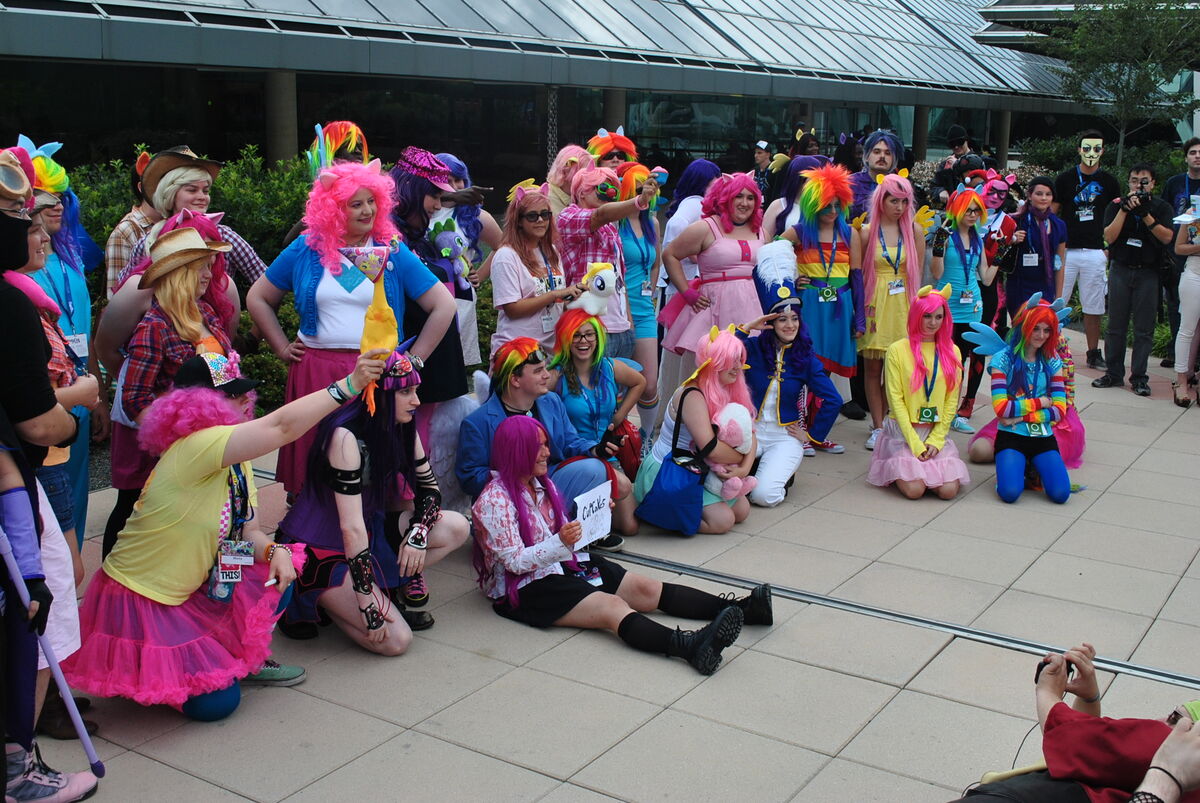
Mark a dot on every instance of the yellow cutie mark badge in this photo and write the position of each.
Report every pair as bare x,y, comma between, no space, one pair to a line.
783,292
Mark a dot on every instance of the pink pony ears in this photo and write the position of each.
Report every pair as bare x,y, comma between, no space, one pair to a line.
543,190
523,188
328,178
187,214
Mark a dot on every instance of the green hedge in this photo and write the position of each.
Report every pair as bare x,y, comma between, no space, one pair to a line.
1062,153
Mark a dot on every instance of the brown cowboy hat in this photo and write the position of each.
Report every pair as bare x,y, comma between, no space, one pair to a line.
177,249
164,162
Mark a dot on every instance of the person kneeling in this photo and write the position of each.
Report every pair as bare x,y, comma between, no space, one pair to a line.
526,564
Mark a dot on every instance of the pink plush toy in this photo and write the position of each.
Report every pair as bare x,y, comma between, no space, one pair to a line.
735,428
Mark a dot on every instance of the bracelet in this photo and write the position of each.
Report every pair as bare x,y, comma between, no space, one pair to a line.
1169,775
273,546
339,395
350,386
640,202
1095,699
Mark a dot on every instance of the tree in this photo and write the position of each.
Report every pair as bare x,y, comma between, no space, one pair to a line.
1124,59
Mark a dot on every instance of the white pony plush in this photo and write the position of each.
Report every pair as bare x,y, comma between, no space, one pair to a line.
601,283
734,428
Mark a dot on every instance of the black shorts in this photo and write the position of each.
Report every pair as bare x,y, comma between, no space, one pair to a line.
1030,447
545,601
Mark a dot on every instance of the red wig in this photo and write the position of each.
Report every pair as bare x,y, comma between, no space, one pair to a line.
718,200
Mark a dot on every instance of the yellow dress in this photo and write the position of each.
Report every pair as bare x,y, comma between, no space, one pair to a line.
887,312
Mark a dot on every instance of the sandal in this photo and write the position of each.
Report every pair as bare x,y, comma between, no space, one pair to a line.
1185,401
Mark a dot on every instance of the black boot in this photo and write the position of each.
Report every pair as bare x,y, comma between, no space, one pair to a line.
702,648
1095,359
756,607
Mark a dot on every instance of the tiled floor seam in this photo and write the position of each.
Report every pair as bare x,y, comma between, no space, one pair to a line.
190,774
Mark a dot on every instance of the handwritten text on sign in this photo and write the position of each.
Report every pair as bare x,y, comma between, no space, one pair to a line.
592,512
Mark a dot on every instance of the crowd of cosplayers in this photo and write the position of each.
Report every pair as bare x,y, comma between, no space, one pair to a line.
655,363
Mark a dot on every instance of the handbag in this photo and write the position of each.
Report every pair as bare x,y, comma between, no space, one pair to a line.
676,499
629,453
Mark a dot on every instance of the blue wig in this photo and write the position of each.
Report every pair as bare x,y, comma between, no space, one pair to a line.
466,217
893,142
694,180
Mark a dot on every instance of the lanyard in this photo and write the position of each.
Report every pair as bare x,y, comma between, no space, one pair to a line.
65,302
549,270
899,252
1078,175
239,502
832,254
973,260
931,384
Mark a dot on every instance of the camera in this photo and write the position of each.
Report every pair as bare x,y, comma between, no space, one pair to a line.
1140,197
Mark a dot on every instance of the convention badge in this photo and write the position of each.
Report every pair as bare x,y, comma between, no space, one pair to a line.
237,553
218,590
548,320
1029,260
1085,214
1038,430
895,287
928,415
1133,243
591,574
826,294
647,289
967,297
79,345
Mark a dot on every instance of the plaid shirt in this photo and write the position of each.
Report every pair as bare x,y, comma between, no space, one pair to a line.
581,245
242,259
127,234
61,367
155,353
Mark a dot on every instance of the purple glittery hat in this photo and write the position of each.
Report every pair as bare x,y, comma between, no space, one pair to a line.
421,162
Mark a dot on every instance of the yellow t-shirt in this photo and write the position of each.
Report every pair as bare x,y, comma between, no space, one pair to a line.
169,544
905,403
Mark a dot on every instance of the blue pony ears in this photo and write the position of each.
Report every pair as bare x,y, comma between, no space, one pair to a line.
1059,306
48,150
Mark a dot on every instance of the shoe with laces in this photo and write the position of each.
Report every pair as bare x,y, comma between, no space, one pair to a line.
960,424
275,674
29,779
875,433
829,447
809,450
702,648
609,543
416,592
756,606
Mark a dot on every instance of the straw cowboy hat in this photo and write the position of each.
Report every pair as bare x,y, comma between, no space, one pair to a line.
164,162
178,249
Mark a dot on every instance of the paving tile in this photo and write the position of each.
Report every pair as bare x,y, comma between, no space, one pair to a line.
1017,524
839,532
938,741
1165,461
404,689
1138,697
1111,454
808,488
1170,645
1095,476
1123,510
1151,417
681,757
570,793
839,778
1128,434
882,503
962,556
311,653
133,778
470,624
446,586
297,736
937,596
415,765
1127,547
66,755
1064,624
693,551
100,504
1194,571
788,565
1094,582
761,518
1164,487
127,724
855,644
1178,441
546,723
822,710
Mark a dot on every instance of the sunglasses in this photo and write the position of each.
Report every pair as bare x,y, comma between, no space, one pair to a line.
614,155
955,143
606,192
534,217
401,367
18,212
536,356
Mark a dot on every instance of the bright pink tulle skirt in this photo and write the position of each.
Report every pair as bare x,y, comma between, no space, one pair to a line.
892,460
163,654
1070,434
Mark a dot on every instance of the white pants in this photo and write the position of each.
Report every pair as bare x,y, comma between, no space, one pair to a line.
62,627
780,455
1189,316
1089,266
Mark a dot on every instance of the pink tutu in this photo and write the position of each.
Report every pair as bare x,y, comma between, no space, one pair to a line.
163,654
732,302
1070,434
892,460
316,369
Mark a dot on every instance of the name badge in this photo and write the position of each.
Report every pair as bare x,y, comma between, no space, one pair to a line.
1132,243
1029,260
826,294
1039,430
548,319
1085,214
967,297
928,415
79,345
895,287
647,290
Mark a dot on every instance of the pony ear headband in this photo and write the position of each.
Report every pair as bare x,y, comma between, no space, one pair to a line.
712,336
927,289
142,160
902,173
328,178
520,189
993,175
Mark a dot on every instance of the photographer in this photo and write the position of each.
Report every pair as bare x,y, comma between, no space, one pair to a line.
1137,229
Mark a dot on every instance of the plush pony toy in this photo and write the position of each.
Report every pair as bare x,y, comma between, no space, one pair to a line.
734,428
601,283
450,246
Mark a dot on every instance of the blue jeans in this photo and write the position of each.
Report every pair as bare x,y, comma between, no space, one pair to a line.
57,483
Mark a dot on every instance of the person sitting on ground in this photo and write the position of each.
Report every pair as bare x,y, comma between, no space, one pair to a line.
526,563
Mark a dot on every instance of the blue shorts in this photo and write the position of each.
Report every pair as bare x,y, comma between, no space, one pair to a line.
57,484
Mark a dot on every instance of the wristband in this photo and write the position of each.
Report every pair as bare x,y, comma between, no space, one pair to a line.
350,386
361,576
374,619
339,395
417,362
418,536
641,203
1169,775
690,295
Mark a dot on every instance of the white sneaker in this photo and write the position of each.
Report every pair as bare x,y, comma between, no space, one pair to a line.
960,424
809,451
29,779
870,444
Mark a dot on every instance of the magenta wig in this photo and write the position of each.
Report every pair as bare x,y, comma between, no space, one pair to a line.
569,161
725,352
589,178
718,200
215,293
325,213
893,186
951,364
514,451
184,412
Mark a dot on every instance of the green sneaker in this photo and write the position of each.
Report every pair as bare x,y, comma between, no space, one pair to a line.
275,674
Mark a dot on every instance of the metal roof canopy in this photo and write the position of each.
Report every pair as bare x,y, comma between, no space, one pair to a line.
690,46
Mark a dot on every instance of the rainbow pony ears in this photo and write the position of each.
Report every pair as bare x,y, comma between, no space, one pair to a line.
927,289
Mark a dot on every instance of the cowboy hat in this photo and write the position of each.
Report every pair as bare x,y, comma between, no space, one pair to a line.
164,162
177,249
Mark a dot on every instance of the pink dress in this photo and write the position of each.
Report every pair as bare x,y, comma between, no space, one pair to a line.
727,278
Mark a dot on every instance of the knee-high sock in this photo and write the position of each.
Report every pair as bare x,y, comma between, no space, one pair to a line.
1054,476
647,415
690,603
643,633
1010,474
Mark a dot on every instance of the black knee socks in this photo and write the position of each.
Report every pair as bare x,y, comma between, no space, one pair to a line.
643,633
690,603
126,499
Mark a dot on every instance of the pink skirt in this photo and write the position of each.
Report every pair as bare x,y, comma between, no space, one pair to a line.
316,370
892,460
734,301
1071,437
157,654
131,465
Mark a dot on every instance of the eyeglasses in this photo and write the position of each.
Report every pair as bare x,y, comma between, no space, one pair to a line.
536,356
534,217
957,143
606,191
588,336
1091,148
998,193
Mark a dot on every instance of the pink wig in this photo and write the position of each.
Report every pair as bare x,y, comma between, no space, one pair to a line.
725,352
183,412
893,186
718,200
325,213
951,365
215,293
569,161
588,179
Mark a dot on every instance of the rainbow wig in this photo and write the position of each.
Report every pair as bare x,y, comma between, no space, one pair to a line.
325,213
950,362
824,186
564,334
793,182
605,142
717,354
183,412
589,178
960,201
339,141
632,174
508,358
718,200
515,448
71,242
892,186
1022,327
569,161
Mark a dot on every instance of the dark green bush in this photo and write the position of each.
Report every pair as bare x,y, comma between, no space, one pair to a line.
1061,153
262,204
